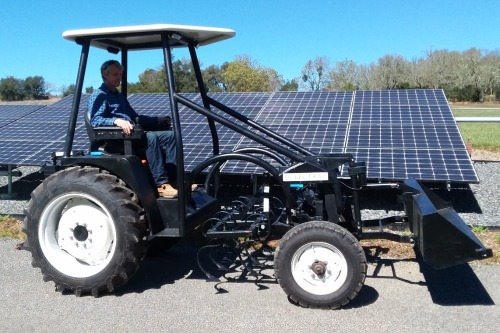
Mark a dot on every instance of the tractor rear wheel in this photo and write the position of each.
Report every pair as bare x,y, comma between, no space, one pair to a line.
85,230
320,264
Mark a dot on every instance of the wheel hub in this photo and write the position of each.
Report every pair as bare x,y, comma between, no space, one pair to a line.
84,233
80,233
319,267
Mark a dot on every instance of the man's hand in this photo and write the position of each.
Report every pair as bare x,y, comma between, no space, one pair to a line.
125,125
165,121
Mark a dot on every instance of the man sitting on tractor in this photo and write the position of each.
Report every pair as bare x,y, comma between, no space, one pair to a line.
109,107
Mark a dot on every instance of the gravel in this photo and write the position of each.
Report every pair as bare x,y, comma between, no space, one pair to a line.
487,194
477,204
13,204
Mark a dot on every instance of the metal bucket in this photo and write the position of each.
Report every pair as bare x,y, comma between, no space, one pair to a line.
442,237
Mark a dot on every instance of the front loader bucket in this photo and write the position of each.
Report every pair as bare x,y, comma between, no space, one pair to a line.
442,237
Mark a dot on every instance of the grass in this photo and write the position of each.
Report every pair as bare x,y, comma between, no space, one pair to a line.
480,135
11,228
479,229
476,113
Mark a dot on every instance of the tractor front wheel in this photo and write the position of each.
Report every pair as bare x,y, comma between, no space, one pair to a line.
320,264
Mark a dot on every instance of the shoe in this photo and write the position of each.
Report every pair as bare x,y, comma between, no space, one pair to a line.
167,191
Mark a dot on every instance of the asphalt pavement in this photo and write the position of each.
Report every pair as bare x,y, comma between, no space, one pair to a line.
171,294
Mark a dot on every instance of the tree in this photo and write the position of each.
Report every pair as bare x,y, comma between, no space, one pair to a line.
245,75
489,73
34,88
315,74
11,89
391,72
185,80
213,79
69,90
291,85
441,69
275,79
417,70
344,76
155,80
150,81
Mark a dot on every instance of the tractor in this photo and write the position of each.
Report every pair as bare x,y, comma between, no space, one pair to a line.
95,216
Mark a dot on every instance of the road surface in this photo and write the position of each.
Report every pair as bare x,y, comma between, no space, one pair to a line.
170,294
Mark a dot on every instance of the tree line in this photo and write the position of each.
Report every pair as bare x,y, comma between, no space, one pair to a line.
472,75
33,87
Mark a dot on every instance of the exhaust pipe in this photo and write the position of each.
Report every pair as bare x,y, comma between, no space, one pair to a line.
442,237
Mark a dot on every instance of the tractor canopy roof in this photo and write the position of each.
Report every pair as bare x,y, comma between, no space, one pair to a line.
140,37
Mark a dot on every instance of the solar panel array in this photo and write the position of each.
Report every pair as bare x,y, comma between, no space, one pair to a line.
32,137
399,133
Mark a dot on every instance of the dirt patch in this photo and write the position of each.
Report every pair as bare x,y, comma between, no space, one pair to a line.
484,155
33,102
393,250
491,240
385,249
382,248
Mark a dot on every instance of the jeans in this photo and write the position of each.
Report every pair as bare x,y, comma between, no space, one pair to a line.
160,152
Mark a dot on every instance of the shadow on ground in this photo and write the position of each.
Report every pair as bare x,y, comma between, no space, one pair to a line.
21,187
454,286
457,285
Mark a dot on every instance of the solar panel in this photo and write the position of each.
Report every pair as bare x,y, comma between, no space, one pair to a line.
67,102
399,133
197,137
36,132
316,121
11,112
408,134
17,111
153,104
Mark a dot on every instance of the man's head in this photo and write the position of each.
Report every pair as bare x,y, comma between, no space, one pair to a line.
111,72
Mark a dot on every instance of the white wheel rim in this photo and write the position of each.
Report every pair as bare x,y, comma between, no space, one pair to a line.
328,259
77,235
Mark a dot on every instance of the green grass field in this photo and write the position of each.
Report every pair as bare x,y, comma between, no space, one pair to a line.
480,135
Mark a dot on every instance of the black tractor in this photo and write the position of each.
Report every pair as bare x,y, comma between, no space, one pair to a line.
90,223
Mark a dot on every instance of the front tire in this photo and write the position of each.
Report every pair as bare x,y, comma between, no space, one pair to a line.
320,264
85,230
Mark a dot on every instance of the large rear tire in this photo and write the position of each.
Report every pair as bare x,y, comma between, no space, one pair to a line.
85,230
320,264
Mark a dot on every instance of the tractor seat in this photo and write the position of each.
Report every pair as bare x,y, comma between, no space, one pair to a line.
111,139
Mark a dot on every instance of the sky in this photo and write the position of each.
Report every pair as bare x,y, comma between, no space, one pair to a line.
279,34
